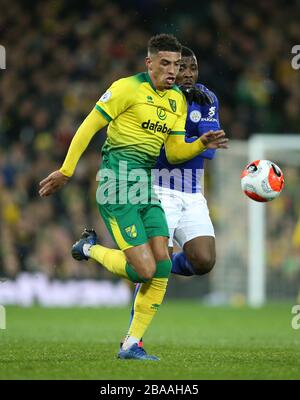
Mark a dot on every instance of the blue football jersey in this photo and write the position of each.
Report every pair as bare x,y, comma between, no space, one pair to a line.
185,177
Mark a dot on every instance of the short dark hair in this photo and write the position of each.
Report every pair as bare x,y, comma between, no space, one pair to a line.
187,52
164,42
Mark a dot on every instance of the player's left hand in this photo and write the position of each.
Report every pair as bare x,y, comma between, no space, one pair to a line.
214,140
52,183
197,95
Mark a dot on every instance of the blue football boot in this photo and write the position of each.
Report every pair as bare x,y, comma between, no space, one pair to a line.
136,353
89,237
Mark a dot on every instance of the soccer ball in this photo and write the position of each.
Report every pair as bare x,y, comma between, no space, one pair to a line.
262,180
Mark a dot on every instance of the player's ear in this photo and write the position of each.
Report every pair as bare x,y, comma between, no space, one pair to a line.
148,63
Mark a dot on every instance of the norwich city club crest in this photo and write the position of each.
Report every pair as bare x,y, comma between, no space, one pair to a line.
131,231
173,104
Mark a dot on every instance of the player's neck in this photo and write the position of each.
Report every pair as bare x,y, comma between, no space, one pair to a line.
155,85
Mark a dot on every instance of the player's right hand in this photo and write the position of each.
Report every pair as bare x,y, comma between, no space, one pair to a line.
214,140
52,183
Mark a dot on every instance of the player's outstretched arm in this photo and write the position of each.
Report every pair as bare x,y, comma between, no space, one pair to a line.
57,179
179,151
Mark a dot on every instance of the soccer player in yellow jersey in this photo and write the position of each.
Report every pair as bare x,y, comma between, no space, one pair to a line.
142,112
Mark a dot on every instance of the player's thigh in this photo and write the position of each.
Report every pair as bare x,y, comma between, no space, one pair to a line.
127,229
125,224
159,246
156,227
172,206
195,220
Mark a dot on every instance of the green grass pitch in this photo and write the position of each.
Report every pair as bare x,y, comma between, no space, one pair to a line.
193,342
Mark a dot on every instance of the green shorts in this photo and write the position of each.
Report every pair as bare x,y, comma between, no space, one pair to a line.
128,204
133,224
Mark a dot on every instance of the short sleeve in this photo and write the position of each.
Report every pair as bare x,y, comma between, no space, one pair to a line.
117,99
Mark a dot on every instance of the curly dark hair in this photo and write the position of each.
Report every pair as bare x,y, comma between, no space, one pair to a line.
163,42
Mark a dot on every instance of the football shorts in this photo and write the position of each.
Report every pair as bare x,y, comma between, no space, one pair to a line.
187,215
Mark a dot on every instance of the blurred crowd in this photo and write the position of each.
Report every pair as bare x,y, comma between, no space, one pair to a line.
60,60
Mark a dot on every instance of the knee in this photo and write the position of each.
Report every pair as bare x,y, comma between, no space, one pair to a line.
162,255
202,263
147,272
144,266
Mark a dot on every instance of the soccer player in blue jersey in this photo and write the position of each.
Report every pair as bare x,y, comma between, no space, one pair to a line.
185,206
179,186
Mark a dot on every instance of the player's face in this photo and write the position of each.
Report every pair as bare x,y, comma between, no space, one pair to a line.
188,72
163,68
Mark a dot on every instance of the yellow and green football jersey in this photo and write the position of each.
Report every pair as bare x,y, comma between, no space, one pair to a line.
140,118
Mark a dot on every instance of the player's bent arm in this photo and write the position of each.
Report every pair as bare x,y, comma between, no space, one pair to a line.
179,151
89,127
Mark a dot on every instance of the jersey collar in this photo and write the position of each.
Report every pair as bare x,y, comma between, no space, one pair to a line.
159,92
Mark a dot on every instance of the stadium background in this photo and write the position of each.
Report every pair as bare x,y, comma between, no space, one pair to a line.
61,57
